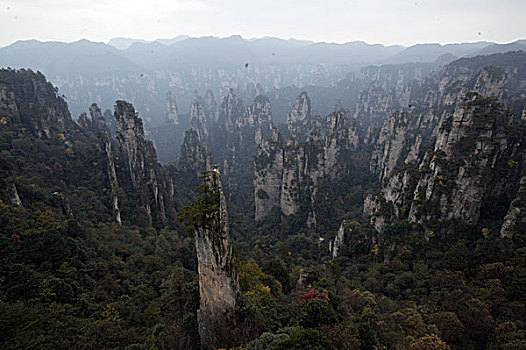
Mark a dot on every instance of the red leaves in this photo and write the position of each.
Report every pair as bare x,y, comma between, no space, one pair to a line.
311,294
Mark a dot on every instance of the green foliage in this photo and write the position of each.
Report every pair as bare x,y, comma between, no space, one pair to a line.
199,213
316,313
305,339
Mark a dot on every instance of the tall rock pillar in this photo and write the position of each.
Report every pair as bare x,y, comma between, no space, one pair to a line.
218,278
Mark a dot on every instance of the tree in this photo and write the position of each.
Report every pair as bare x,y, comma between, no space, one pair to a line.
305,339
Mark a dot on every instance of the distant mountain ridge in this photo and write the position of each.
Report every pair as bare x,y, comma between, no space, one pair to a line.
184,67
184,51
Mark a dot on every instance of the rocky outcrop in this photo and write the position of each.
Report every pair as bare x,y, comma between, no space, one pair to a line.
218,277
515,217
8,192
172,113
472,163
231,109
194,158
255,123
140,159
198,120
388,88
137,152
96,122
472,146
33,102
233,142
336,245
351,240
390,145
112,177
299,115
399,158
288,173
210,107
268,175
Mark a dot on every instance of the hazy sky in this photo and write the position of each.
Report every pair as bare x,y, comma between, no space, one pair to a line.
383,21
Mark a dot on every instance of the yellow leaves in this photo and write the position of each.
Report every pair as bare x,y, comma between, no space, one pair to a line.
111,315
4,120
485,232
429,342
250,280
3,205
512,163
48,220
62,137
440,177
70,152
250,274
431,233
259,292
375,249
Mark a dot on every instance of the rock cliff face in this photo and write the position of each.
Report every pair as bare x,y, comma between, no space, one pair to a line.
137,152
210,107
121,175
33,102
268,175
8,192
515,219
233,142
299,115
96,122
435,98
194,157
474,162
440,117
288,173
350,240
198,120
231,109
139,157
388,88
112,176
172,113
218,277
472,147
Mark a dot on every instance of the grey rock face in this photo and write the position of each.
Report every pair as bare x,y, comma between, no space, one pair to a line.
112,176
8,191
218,277
469,164
231,109
139,156
172,113
516,214
210,107
96,122
287,174
198,120
193,153
34,102
415,183
300,113
268,175
134,148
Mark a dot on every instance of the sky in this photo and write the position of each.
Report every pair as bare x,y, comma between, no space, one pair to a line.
382,21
